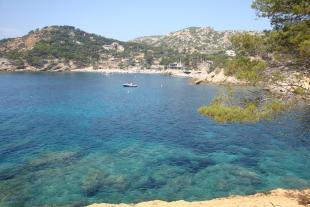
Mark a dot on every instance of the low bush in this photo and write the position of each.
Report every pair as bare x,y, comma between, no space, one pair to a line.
251,112
244,68
222,114
299,91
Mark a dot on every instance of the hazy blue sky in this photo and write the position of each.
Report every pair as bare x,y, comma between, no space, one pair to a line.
127,19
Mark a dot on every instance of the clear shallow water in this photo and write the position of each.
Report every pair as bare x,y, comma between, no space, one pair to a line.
78,138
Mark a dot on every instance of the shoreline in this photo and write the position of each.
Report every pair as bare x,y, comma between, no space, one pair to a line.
173,72
283,89
278,197
216,76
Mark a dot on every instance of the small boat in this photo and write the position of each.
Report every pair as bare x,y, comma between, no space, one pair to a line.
186,72
130,85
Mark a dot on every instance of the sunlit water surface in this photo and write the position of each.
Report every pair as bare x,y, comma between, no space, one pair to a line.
80,138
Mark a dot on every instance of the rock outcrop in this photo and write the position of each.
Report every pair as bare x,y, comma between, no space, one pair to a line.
289,83
217,76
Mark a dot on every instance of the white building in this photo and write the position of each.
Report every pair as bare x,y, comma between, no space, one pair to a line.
157,67
175,65
114,46
230,53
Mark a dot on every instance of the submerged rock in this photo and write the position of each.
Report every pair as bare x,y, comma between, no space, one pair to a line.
96,182
192,165
149,183
92,184
52,158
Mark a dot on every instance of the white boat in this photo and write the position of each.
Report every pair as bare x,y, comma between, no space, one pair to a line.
130,85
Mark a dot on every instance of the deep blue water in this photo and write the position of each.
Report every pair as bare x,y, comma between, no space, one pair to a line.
78,138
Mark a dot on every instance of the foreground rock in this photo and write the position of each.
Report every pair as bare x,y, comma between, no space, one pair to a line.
275,198
289,83
218,77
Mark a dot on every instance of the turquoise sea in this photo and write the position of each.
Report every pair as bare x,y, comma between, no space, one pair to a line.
78,138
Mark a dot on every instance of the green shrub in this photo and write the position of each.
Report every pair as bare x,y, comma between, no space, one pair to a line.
299,91
19,64
277,76
35,61
248,44
271,109
13,55
291,27
251,112
222,114
244,68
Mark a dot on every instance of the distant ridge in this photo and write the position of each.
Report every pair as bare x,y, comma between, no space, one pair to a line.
191,39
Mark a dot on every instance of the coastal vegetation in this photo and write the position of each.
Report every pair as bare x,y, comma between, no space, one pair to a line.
285,46
299,91
249,44
244,68
227,109
289,39
223,114
291,27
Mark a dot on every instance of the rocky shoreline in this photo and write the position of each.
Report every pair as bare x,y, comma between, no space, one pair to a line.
216,76
274,198
286,86
289,84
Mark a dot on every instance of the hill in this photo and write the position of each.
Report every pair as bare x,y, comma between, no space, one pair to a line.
66,47
192,39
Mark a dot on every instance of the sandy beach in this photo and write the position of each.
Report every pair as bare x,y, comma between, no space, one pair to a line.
143,71
275,198
216,76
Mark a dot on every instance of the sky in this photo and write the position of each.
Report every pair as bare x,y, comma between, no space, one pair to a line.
127,19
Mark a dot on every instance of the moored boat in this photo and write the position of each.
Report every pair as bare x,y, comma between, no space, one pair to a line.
130,85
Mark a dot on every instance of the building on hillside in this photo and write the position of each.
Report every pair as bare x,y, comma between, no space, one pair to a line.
114,46
175,65
108,47
157,67
230,53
